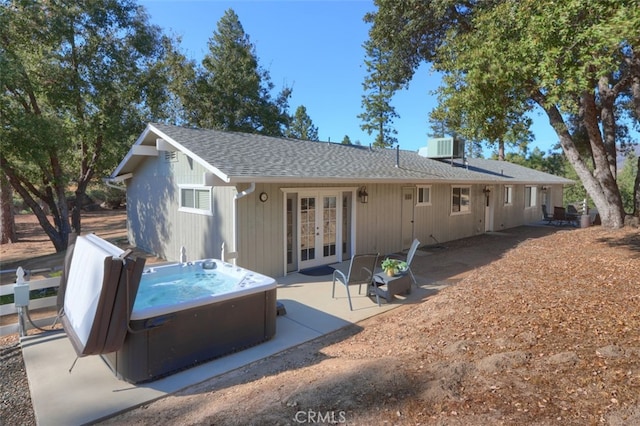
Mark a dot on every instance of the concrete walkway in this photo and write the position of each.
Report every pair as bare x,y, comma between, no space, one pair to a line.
91,392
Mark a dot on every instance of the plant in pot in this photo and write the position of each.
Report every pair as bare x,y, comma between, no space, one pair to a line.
393,267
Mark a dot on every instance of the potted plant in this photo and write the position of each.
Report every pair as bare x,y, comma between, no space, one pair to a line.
393,266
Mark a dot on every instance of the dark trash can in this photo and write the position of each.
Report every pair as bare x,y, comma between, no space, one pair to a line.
585,221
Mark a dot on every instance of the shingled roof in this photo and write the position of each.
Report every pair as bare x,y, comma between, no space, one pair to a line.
243,157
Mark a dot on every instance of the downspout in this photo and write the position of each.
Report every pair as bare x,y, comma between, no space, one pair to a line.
246,192
249,190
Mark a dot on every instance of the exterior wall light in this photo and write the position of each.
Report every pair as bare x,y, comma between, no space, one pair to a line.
364,196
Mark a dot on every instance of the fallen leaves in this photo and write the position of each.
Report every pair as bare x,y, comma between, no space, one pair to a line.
547,334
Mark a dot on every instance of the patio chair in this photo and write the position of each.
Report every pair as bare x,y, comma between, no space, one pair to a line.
572,214
410,254
560,215
361,269
547,217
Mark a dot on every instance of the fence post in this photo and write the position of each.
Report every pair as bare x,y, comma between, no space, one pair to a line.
21,299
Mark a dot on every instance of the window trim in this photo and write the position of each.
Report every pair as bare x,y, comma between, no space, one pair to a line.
532,201
423,203
468,206
508,195
195,188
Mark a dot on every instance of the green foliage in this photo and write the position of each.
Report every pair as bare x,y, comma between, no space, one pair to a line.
626,181
577,192
230,91
575,59
346,140
394,265
378,112
77,79
301,126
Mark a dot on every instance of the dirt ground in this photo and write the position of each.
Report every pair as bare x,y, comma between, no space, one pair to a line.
33,246
548,333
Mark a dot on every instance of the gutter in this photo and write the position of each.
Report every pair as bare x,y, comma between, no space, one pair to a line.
111,182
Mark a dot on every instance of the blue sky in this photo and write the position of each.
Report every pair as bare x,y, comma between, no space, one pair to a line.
315,47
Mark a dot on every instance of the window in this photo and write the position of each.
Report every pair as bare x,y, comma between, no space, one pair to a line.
530,196
508,194
195,199
424,196
460,200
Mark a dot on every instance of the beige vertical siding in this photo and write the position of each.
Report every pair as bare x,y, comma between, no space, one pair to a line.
157,225
261,231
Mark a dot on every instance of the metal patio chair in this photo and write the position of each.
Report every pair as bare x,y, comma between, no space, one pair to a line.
361,269
410,254
547,217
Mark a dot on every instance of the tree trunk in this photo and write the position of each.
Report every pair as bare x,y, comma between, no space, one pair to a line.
601,184
59,236
501,150
7,219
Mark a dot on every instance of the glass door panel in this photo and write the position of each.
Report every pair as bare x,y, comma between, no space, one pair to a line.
329,223
319,220
307,228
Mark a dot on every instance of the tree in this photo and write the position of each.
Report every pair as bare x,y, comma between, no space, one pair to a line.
440,126
77,80
379,89
230,91
301,126
7,220
627,181
346,140
577,60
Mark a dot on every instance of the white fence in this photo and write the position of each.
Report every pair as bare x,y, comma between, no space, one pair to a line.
45,302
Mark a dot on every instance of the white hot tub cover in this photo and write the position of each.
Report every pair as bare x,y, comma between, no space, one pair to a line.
100,289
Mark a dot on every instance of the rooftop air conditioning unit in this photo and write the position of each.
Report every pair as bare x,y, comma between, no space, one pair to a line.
443,148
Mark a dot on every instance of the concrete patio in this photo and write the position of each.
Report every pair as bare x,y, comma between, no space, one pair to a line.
311,312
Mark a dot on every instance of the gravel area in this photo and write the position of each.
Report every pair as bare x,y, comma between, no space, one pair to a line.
16,406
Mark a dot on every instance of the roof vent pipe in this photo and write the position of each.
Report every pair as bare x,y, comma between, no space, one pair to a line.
398,155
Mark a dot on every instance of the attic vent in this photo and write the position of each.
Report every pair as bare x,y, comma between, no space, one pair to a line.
443,148
170,156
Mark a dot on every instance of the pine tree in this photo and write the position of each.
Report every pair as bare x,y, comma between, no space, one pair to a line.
301,126
233,91
379,114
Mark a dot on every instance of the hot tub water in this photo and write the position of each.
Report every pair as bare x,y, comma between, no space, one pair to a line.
180,287
169,288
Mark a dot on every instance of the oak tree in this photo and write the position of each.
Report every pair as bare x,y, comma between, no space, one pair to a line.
576,60
77,82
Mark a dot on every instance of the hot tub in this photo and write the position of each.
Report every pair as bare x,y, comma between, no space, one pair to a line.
188,313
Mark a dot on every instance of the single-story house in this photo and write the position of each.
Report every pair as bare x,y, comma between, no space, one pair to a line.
278,205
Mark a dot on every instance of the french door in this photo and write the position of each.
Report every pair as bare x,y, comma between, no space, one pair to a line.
319,222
